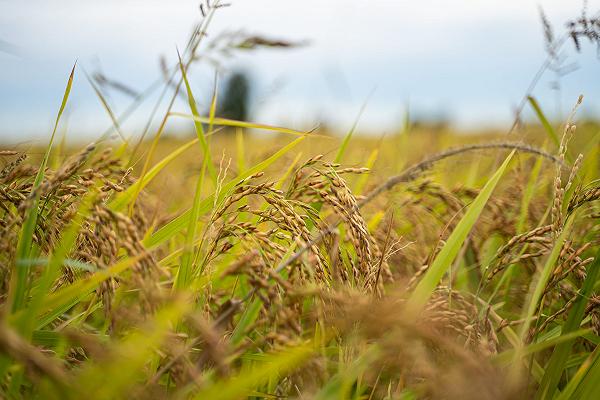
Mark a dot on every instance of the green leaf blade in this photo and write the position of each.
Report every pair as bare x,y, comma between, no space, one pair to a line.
446,256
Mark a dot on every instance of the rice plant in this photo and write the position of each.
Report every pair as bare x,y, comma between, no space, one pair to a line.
262,268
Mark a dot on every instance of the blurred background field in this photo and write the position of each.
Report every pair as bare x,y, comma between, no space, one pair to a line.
462,63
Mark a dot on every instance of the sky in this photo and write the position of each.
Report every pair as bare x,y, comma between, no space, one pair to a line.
463,60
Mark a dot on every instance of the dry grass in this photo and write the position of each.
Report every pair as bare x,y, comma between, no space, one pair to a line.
295,262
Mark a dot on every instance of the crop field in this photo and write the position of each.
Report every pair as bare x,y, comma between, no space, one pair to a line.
254,261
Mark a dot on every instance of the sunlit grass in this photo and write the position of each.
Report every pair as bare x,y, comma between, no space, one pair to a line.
256,261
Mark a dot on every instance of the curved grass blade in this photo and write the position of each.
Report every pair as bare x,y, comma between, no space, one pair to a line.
19,277
123,198
180,222
446,256
59,302
590,386
508,355
586,378
242,124
288,171
109,111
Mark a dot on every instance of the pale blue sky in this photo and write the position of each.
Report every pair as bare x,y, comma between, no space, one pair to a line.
469,60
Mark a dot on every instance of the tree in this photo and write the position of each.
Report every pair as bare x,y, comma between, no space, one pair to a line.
235,104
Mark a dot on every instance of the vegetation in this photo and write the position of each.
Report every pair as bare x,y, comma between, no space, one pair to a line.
420,265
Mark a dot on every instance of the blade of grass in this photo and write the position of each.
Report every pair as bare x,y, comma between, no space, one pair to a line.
341,384
346,141
590,386
243,124
288,171
509,272
197,124
59,302
104,102
125,197
536,293
544,121
56,156
52,270
561,352
75,264
180,222
375,221
528,195
247,319
212,113
272,365
239,145
590,170
19,285
584,379
362,180
185,271
506,356
448,253
153,144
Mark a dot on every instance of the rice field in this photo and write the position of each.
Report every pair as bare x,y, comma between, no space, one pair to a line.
262,262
